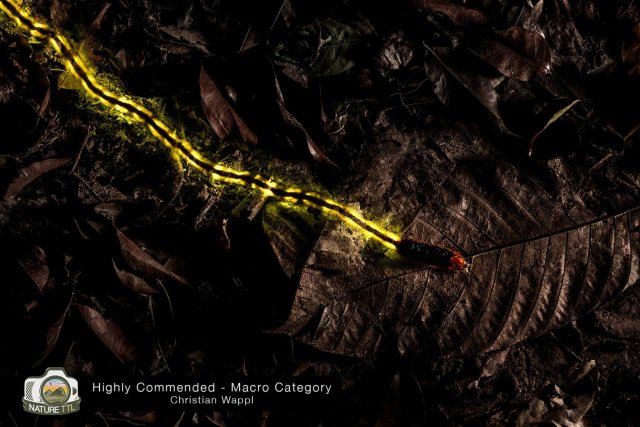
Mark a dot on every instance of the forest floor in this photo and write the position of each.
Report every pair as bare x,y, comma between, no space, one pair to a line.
119,260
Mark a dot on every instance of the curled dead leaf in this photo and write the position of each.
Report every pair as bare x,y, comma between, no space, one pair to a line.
448,73
559,407
133,282
630,53
396,53
53,333
32,172
222,117
192,38
517,52
459,15
289,237
618,325
34,263
109,333
141,261
289,119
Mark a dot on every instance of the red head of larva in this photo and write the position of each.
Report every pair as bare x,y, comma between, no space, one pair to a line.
457,262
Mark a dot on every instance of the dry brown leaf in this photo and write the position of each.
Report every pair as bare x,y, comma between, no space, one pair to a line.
559,407
148,418
289,119
110,334
446,70
35,265
460,15
45,102
96,25
548,244
32,172
133,282
192,38
53,333
290,237
631,51
141,261
222,117
517,53
618,325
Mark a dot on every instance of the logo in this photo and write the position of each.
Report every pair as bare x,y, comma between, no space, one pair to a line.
54,393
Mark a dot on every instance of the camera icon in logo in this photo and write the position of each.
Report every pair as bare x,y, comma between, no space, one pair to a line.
54,393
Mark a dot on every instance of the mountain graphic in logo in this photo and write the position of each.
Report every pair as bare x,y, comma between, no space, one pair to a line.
55,391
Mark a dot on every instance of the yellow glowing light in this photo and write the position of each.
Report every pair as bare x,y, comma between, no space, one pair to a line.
136,112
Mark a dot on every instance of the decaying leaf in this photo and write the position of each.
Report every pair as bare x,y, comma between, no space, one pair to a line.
460,15
289,237
45,102
133,282
396,53
289,119
53,333
493,363
631,51
559,407
618,325
222,117
109,333
517,53
192,38
141,261
96,25
530,15
32,172
543,253
34,263
447,76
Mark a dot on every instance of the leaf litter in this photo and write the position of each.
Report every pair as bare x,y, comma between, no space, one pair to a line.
539,261
517,53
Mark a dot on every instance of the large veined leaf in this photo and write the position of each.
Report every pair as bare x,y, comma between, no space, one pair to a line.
550,241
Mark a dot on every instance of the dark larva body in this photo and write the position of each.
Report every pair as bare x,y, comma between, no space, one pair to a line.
433,255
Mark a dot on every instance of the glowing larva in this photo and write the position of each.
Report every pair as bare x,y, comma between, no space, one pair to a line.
433,255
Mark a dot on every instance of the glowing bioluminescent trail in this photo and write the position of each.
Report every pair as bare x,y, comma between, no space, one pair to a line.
433,255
